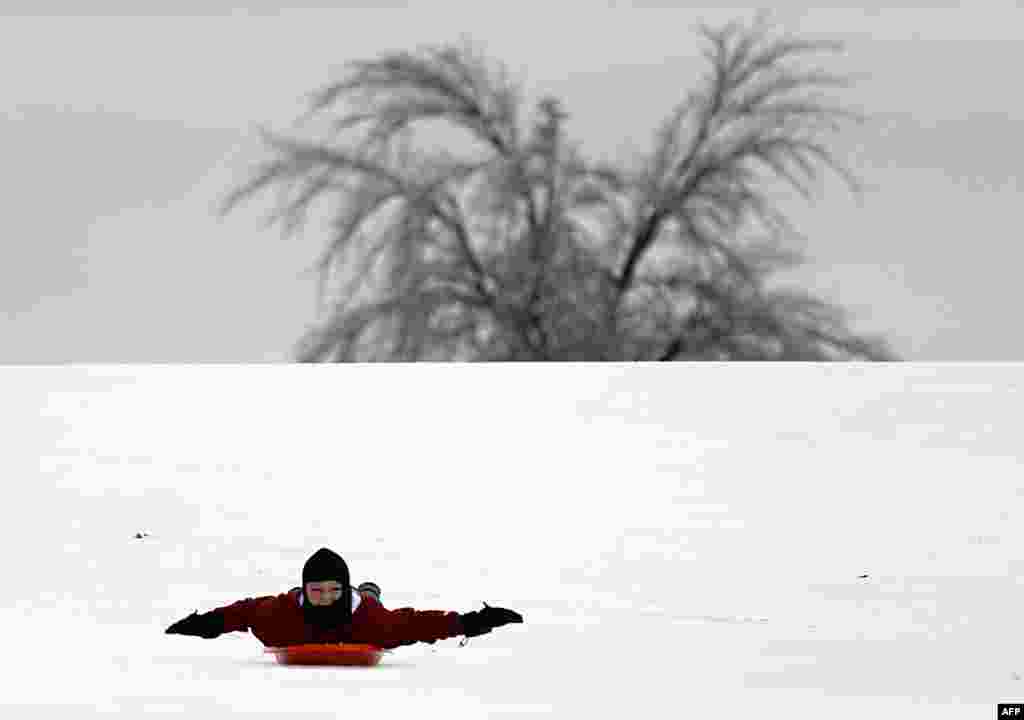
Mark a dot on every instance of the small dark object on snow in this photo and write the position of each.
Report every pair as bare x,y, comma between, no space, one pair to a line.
139,536
862,577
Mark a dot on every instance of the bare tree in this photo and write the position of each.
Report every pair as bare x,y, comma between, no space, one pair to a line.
519,248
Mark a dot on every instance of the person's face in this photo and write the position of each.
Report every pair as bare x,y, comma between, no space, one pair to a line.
326,592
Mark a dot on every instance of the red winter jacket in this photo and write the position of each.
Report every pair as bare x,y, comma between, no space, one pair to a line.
278,621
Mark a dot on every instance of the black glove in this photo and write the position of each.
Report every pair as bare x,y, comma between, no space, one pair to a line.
208,625
480,622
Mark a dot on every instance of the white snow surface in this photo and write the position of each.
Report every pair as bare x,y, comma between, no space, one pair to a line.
683,541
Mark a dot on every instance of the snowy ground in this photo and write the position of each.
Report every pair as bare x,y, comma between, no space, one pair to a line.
683,541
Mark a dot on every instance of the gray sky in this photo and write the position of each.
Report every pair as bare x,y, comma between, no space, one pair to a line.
120,134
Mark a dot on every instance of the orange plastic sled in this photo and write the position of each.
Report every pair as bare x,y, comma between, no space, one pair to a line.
327,654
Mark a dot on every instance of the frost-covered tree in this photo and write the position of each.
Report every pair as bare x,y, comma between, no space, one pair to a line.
517,247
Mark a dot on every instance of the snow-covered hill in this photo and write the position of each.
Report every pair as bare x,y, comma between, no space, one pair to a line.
686,539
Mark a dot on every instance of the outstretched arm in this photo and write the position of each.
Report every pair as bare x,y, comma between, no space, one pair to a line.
405,626
230,618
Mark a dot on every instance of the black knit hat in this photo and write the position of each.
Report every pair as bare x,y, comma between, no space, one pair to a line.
326,564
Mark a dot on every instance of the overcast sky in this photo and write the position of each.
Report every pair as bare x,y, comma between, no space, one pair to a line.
120,133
